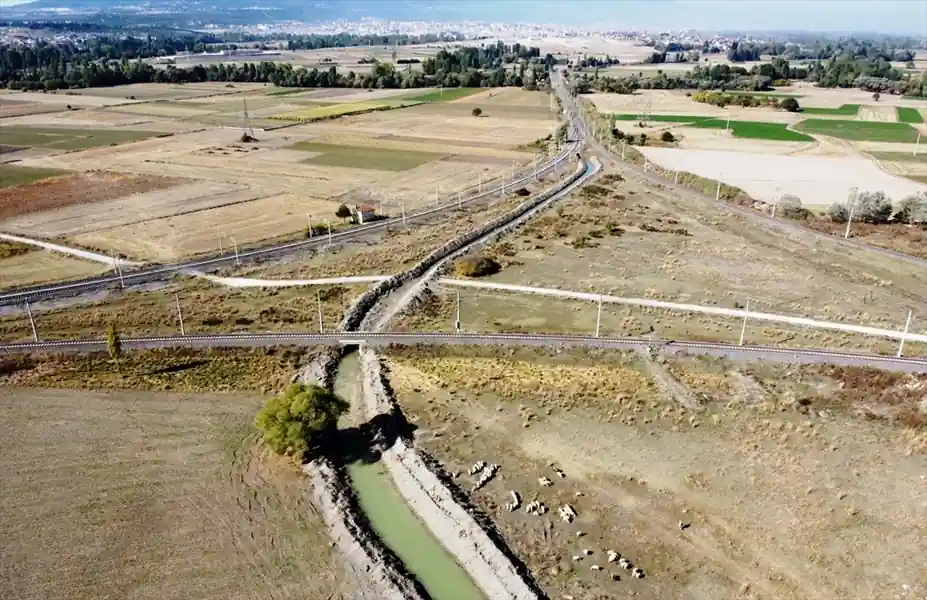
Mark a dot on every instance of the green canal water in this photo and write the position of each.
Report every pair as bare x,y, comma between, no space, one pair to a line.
393,521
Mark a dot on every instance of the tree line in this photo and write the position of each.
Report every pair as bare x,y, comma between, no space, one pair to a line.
464,67
876,75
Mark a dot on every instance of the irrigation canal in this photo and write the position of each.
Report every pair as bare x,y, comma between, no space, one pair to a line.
391,519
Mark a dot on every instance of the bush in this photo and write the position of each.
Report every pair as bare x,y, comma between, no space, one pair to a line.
668,137
643,139
789,104
476,111
873,207
838,212
476,266
790,207
912,209
295,422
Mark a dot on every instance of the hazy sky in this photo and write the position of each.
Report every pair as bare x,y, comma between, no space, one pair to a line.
908,16
888,16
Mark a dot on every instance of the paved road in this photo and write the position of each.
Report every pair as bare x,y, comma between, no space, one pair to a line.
239,340
163,272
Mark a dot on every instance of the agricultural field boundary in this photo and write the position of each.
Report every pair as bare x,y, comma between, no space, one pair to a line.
599,129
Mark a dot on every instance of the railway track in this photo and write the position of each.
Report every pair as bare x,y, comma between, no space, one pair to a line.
252,340
163,272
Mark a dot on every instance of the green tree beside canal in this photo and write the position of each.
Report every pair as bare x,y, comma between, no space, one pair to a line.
295,422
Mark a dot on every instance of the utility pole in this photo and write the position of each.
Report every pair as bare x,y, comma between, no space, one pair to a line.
480,188
237,257
743,329
513,171
728,128
536,161
179,314
318,298
436,195
118,269
402,206
329,223
623,147
598,317
676,178
459,200
309,217
904,334
718,191
846,234
35,332
917,144
646,163
457,322
219,237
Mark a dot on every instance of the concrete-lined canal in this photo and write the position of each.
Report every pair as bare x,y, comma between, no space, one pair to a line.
392,520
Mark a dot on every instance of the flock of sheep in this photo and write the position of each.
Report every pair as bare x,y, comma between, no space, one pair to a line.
486,471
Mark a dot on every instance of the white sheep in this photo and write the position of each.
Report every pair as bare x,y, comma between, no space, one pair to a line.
638,573
613,556
595,568
515,503
477,467
587,552
545,482
624,563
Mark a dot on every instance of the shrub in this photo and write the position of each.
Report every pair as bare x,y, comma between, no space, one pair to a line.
789,104
476,112
296,421
912,209
343,212
643,139
476,266
873,207
790,207
522,192
668,137
838,212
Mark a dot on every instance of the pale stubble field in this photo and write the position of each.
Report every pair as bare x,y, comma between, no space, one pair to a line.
133,494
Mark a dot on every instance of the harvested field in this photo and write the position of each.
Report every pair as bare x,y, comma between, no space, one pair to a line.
14,176
138,207
671,247
169,91
152,496
184,234
772,495
164,109
816,180
64,98
675,102
83,188
16,108
378,159
39,266
54,138
880,114
860,130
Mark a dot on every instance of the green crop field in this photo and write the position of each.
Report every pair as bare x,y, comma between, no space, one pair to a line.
870,131
756,130
12,175
847,110
356,157
445,95
909,115
69,139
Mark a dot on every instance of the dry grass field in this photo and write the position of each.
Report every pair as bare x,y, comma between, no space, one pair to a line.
629,240
267,189
117,494
782,490
39,267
